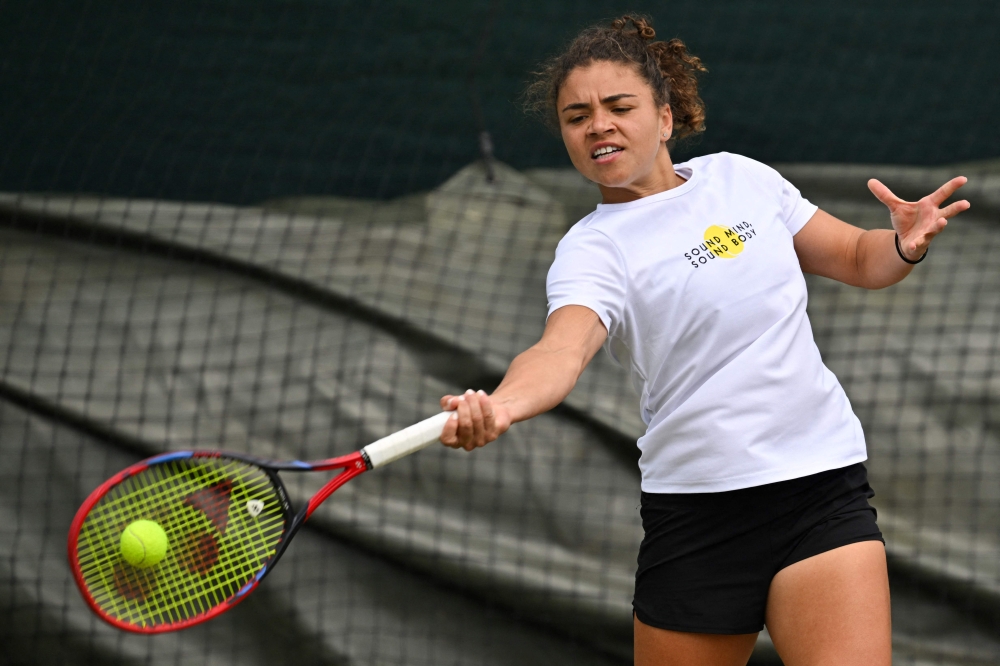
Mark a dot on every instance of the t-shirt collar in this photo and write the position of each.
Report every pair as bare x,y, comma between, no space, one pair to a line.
684,170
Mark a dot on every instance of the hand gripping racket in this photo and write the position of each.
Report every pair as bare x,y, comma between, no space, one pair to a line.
227,519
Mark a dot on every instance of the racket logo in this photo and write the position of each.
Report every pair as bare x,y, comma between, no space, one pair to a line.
254,507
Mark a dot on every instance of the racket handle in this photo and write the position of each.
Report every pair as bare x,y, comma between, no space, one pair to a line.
406,441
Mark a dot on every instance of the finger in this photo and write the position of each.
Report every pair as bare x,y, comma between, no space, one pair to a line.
936,228
465,426
476,414
932,227
449,435
917,245
951,210
883,193
446,403
942,193
489,418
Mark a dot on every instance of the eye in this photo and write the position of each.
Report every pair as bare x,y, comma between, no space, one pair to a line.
575,120
621,109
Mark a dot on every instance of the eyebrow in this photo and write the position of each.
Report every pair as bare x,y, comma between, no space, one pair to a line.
606,100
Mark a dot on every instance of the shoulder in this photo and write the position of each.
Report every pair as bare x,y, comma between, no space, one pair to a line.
583,224
584,234
733,168
588,230
739,163
587,241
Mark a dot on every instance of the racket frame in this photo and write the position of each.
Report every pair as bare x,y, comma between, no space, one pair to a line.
382,452
352,465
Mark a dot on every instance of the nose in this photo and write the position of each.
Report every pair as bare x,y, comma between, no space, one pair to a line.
601,122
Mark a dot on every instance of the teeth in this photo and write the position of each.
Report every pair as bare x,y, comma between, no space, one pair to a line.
605,150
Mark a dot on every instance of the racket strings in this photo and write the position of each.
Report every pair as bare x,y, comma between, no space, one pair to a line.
223,520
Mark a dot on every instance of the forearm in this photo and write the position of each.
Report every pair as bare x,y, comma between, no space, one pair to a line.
877,260
832,248
537,380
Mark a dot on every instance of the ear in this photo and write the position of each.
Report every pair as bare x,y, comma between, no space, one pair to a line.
666,123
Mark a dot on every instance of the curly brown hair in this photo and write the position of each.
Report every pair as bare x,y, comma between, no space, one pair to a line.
667,67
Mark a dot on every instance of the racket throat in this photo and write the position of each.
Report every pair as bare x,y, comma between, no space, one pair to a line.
354,465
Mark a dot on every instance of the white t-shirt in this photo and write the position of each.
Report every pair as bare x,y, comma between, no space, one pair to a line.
705,305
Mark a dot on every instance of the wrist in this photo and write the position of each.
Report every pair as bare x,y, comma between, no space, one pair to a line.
899,251
507,407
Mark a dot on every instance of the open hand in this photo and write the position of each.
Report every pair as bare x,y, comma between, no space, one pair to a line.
917,222
477,420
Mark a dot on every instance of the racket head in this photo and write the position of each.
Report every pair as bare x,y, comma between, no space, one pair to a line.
226,518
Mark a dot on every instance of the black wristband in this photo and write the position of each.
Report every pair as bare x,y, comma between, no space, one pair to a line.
899,251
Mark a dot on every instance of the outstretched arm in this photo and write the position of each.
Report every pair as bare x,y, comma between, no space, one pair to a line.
832,248
537,380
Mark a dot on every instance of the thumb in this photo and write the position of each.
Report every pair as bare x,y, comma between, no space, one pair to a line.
883,193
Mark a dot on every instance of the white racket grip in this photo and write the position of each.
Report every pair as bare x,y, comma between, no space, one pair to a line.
406,441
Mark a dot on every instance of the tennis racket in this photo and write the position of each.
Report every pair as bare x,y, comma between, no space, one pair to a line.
227,519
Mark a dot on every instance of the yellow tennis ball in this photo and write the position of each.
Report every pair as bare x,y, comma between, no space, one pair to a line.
143,544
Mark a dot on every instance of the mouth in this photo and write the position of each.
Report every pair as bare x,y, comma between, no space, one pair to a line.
605,153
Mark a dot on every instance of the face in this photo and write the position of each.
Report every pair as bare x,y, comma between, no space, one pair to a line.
613,130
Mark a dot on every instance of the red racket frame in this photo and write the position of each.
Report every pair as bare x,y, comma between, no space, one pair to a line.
353,465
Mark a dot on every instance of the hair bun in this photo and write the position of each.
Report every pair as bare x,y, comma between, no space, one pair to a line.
642,27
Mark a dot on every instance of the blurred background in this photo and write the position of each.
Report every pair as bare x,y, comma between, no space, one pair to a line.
288,228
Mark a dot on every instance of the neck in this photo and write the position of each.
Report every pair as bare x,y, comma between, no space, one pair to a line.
660,178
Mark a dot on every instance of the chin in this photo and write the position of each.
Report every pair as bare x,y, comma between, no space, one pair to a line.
610,179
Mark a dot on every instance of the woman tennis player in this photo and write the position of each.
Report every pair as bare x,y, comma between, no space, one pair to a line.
754,497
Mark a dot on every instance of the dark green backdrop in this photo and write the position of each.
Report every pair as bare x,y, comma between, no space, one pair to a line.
245,100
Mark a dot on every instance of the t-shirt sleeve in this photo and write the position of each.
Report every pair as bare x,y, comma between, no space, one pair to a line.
796,210
588,270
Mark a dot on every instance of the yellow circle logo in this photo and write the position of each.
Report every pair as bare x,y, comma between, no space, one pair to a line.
722,242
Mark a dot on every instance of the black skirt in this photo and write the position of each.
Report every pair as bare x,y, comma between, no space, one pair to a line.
707,559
